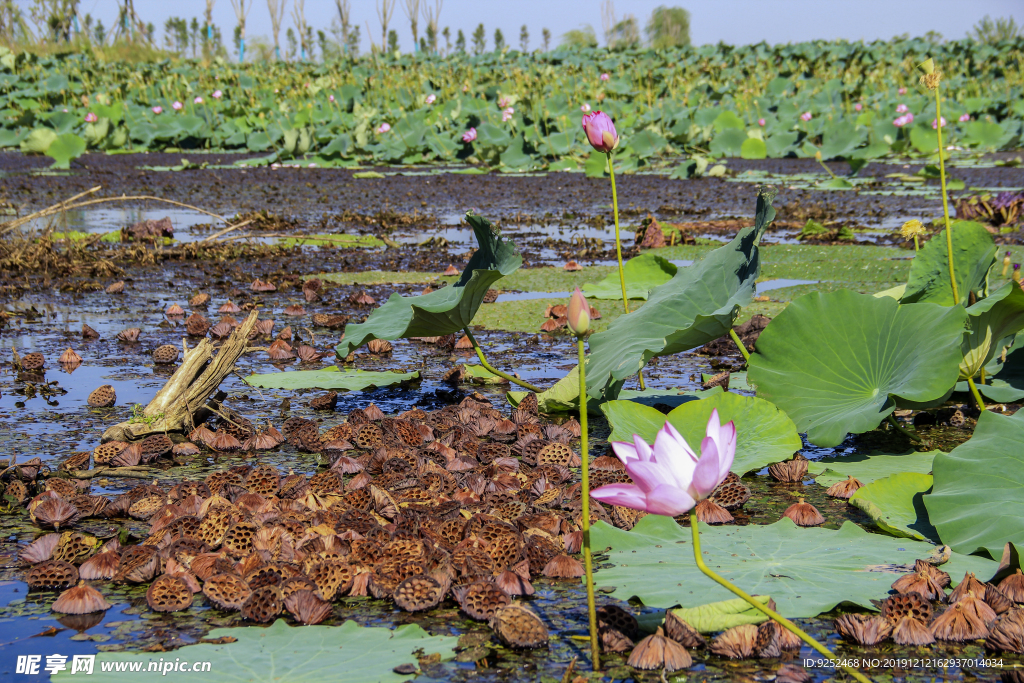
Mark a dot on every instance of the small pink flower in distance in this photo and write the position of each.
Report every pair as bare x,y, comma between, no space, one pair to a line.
217,94
158,110
901,109
940,122
431,98
507,114
198,100
469,135
902,91
858,106
504,102
909,117
964,118
806,116
900,121
584,107
605,77
760,122
465,88
91,118
383,128
177,105
330,98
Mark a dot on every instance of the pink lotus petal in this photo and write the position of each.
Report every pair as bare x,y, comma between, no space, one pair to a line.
669,501
626,495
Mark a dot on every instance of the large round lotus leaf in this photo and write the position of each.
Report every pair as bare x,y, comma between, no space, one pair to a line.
642,274
895,503
977,502
973,254
835,362
764,434
806,570
868,468
281,653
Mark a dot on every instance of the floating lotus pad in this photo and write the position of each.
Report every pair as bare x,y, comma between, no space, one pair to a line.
329,378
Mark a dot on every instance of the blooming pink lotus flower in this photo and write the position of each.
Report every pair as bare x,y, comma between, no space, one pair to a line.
940,122
901,121
217,94
902,91
605,77
858,106
158,110
469,135
197,100
383,128
600,131
177,105
431,98
585,107
578,314
670,478
504,102
806,116
964,118
902,109
91,118
760,122
507,114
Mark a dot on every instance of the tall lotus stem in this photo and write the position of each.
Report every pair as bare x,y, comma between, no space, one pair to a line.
618,247
772,614
578,320
494,371
931,80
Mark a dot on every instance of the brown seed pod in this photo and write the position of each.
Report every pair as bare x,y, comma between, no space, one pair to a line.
196,325
326,401
1013,586
32,361
614,617
165,355
789,471
17,491
481,599
51,574
169,594
710,512
418,593
332,577
77,461
959,624
147,507
844,489
558,454
804,514
102,397
69,357
115,288
678,630
82,599
74,548
913,605
307,607
139,564
155,446
130,335
62,487
732,493
263,605
1007,635
658,652
519,627
226,591
736,643
238,539
863,628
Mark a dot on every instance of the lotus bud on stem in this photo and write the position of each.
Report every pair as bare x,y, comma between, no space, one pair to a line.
579,324
912,229
492,370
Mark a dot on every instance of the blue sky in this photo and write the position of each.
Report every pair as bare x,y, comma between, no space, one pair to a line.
731,21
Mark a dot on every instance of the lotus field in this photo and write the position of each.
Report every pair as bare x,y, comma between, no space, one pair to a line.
646,365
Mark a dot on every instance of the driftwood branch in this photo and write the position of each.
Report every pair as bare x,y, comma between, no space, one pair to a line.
188,389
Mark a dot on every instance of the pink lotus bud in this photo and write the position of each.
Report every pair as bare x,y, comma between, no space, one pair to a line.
901,109
858,106
579,313
431,98
383,128
940,122
217,94
91,118
600,131
177,105
605,77
902,91
330,98
198,100
469,135
964,118
806,116
760,122
584,107
504,102
158,110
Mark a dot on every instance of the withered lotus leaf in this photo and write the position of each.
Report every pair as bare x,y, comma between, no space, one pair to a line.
919,582
969,584
174,310
200,299
736,643
958,624
307,607
562,566
69,357
82,599
863,628
678,630
1013,586
89,333
102,565
710,512
804,514
53,512
130,334
229,307
1007,635
379,347
789,471
911,631
39,550
658,652
844,489
792,673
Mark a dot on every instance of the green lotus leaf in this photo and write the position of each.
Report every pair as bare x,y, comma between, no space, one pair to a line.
65,148
329,378
1004,374
299,654
977,501
753,148
896,504
447,310
642,274
838,362
697,305
38,140
764,434
993,319
710,618
973,254
869,468
807,571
